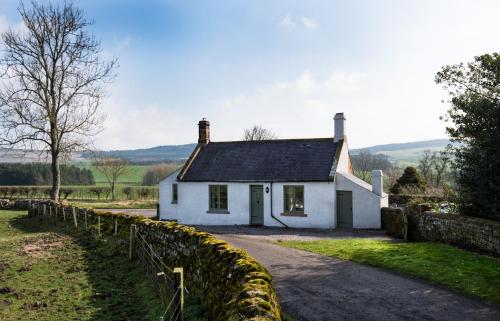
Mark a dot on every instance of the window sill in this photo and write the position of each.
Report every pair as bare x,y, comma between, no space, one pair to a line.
218,211
297,214
173,202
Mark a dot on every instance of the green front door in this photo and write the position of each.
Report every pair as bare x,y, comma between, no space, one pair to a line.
256,205
344,209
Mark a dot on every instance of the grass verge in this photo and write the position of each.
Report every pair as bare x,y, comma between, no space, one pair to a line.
468,272
50,272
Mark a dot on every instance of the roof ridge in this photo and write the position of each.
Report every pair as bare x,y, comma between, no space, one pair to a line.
272,140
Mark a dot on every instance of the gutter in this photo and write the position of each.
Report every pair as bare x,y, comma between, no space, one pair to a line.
272,215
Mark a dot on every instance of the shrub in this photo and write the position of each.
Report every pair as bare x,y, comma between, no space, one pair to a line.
410,179
97,191
128,191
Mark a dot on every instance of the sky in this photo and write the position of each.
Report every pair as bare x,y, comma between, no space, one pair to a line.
288,66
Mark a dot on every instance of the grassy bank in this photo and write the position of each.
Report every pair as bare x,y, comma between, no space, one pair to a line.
53,273
471,273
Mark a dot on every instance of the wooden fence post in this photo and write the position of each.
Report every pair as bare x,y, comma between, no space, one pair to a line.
74,216
116,227
64,213
179,299
99,225
86,225
132,241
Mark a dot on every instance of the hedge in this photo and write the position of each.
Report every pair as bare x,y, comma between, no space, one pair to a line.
232,284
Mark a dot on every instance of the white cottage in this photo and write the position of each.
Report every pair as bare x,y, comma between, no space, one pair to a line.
283,182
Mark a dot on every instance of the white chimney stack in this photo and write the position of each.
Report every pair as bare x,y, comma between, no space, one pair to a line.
377,182
339,127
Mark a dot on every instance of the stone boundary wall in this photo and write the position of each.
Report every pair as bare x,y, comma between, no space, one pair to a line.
20,204
394,222
232,284
471,233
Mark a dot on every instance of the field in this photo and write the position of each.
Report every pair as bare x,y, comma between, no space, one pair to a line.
133,177
52,273
468,272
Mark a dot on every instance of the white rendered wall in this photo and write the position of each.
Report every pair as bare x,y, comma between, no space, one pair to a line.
168,211
192,205
366,205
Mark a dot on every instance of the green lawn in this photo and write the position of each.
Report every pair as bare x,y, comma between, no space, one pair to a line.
52,273
461,270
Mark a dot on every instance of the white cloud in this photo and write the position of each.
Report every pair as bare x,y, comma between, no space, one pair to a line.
309,23
287,22
128,126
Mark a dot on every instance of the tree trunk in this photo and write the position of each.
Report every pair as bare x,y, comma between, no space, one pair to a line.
56,178
113,191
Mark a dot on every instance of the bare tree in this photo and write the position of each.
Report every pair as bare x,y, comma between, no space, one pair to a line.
112,169
258,133
53,83
362,163
393,173
425,166
440,163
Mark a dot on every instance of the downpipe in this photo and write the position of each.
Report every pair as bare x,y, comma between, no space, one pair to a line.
272,215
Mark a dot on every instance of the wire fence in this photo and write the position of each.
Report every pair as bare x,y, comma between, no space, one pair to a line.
168,282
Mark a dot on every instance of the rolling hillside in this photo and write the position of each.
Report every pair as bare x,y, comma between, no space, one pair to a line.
405,153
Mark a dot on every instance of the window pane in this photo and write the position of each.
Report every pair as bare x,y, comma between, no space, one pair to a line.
288,198
213,196
218,196
299,198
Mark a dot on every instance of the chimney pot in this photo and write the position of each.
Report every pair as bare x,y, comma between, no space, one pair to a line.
339,120
203,131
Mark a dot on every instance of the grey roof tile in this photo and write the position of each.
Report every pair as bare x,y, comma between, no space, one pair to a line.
290,160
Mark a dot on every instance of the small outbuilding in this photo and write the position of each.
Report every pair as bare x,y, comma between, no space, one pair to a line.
307,183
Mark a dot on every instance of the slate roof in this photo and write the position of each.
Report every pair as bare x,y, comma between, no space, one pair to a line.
285,160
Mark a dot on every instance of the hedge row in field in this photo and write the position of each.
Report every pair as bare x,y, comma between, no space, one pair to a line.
230,282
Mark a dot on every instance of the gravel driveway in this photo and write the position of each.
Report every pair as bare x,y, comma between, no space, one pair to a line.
314,287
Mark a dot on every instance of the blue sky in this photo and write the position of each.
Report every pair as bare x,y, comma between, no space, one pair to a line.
286,65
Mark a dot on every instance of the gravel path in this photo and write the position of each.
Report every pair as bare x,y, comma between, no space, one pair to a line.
314,287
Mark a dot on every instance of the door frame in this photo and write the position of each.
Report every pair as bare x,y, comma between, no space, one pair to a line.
338,211
261,187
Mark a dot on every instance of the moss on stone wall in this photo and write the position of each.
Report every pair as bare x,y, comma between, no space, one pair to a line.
230,282
466,232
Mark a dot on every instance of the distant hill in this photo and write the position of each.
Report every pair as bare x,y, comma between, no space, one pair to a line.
405,153
166,154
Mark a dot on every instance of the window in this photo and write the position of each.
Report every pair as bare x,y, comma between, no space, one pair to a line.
174,193
218,197
293,198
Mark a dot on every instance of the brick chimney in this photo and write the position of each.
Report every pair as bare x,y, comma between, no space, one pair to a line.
203,131
339,127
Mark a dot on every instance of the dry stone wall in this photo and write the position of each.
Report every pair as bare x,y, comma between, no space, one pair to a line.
230,282
466,232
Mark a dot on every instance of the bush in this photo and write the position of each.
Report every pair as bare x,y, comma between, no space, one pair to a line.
128,191
410,179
